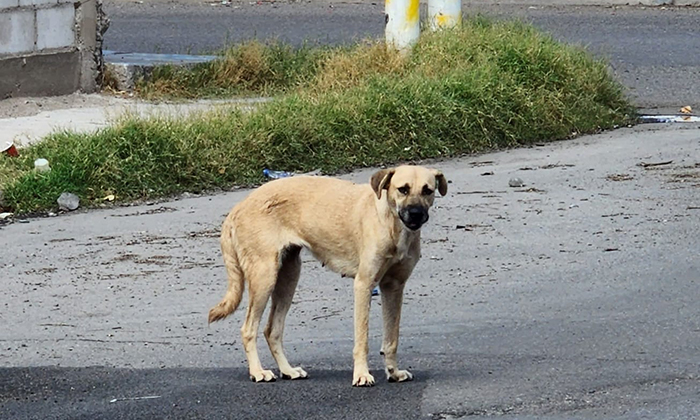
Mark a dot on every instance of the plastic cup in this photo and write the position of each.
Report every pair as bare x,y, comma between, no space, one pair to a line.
10,150
42,165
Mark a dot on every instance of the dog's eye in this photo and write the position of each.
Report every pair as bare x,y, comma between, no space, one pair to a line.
404,190
426,190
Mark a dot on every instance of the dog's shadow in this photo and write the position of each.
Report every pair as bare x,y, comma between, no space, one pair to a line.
201,393
323,377
328,393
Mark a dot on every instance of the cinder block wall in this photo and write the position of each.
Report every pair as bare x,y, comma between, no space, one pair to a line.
50,47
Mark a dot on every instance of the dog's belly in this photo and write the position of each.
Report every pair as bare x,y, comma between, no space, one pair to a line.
345,264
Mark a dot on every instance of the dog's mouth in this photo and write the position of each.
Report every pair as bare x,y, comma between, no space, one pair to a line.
413,217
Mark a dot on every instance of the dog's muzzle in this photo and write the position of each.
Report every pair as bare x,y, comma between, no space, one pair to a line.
413,217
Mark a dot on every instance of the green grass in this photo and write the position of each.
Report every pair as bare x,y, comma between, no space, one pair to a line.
488,86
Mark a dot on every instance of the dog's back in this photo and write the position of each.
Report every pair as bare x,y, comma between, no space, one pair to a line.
310,212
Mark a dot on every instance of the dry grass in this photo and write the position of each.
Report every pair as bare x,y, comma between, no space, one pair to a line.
251,68
349,68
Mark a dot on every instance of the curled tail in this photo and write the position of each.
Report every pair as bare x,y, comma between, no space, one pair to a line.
236,281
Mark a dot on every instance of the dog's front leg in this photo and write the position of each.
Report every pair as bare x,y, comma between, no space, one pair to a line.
392,299
363,290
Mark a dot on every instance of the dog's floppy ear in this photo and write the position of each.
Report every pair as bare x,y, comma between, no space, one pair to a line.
380,181
441,182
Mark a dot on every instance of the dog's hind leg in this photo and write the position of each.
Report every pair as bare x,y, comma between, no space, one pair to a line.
287,279
261,281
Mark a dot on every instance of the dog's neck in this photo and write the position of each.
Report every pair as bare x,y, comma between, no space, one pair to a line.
403,237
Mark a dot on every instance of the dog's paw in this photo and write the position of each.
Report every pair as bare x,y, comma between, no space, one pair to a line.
364,379
295,373
263,376
398,375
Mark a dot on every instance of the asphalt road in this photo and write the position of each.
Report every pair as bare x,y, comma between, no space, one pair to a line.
654,52
574,297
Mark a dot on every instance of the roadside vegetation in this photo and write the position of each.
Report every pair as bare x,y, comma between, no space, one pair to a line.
250,68
487,86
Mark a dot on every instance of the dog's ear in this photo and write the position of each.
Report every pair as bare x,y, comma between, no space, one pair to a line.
380,181
441,182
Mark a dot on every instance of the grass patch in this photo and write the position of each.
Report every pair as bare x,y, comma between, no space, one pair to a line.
250,68
487,86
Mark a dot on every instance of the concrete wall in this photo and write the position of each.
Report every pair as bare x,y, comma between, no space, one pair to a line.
50,47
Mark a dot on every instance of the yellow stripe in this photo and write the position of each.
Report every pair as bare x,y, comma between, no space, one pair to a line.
412,12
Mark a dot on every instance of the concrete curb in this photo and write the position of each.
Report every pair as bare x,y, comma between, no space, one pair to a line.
125,69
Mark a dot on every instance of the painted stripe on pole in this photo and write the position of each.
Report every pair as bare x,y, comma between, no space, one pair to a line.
444,14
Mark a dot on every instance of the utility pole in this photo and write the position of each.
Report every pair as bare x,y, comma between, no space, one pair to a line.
402,23
444,14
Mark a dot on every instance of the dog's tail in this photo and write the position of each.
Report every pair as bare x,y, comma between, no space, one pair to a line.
236,280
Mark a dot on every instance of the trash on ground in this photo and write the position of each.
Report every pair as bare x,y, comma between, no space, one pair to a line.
478,192
516,182
148,397
108,198
657,119
557,165
42,165
482,163
532,189
68,201
652,164
276,174
686,109
472,227
619,177
375,291
4,216
10,149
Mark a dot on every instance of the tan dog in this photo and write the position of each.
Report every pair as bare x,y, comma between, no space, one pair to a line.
370,232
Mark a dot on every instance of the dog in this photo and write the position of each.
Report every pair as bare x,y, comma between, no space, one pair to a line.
367,231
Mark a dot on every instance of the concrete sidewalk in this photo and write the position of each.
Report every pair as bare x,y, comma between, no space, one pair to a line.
28,120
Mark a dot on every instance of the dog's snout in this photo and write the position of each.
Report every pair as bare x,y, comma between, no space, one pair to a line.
414,216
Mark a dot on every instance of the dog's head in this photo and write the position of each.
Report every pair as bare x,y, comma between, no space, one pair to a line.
410,191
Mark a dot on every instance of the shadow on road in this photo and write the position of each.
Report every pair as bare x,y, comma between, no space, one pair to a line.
89,393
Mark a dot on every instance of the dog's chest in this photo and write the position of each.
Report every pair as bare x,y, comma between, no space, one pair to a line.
403,248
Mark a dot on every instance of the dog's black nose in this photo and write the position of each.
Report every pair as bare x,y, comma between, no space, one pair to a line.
416,213
414,217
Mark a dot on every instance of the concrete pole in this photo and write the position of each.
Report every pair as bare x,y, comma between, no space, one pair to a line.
402,23
444,14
